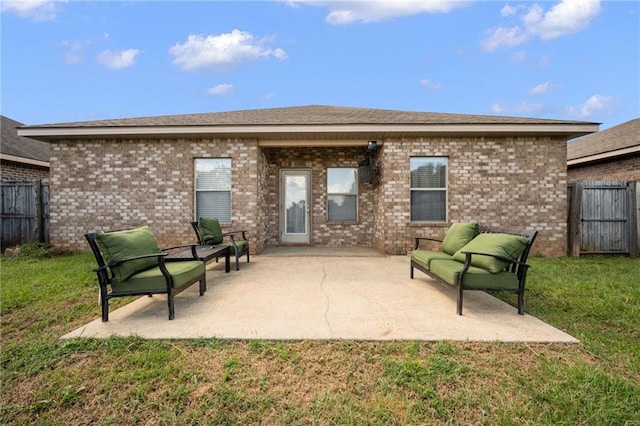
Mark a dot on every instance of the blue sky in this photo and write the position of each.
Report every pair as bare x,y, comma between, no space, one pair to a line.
68,61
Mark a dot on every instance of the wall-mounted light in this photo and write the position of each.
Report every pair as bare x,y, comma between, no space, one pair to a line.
372,146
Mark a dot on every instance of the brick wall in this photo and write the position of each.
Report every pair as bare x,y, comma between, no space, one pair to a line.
510,182
13,170
627,168
114,184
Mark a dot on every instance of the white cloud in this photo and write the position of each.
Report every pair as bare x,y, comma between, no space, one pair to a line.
596,104
508,10
222,52
521,108
430,84
118,59
565,17
541,89
38,10
350,11
220,89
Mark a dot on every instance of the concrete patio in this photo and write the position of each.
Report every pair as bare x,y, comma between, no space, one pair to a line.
323,293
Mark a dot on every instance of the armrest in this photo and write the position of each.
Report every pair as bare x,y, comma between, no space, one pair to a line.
418,239
232,233
503,258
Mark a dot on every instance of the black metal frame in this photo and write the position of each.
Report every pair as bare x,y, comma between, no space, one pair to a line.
105,277
236,252
518,267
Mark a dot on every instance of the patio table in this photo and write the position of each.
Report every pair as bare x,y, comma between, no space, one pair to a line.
204,254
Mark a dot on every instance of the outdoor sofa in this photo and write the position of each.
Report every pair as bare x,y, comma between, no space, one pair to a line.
130,263
474,257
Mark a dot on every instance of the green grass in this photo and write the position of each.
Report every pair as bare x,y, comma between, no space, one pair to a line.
210,381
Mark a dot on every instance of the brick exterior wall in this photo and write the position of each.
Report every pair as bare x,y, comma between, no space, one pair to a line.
112,184
17,171
627,168
509,182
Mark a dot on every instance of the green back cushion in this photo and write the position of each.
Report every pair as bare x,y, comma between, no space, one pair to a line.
119,245
505,245
458,235
210,230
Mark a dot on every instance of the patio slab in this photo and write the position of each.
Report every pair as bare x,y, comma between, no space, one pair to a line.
362,296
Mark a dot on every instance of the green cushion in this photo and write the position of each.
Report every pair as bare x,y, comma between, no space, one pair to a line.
183,273
475,278
458,235
506,245
242,246
210,230
425,257
119,245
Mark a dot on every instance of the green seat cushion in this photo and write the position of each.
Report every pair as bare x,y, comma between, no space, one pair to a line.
120,245
210,230
183,273
475,278
505,245
425,257
458,235
242,246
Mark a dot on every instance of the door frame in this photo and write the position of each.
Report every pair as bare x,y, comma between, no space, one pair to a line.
286,238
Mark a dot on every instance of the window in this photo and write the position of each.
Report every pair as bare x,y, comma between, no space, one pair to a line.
213,188
428,189
342,194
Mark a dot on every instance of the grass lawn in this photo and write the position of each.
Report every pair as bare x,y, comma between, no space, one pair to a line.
208,381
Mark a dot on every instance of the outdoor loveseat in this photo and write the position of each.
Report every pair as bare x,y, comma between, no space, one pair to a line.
209,232
475,257
130,263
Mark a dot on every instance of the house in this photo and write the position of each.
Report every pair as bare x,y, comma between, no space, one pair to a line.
300,175
612,154
21,157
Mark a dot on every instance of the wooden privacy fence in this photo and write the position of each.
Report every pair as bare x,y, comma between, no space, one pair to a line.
603,217
24,213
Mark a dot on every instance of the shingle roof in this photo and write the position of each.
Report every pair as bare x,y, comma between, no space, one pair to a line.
625,135
20,146
318,122
309,115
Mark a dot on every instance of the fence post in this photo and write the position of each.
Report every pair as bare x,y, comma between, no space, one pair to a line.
575,211
634,218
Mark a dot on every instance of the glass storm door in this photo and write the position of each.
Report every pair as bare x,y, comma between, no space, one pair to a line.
294,212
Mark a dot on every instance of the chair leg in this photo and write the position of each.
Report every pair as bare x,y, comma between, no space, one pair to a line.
459,299
247,255
171,307
411,274
237,262
105,309
203,284
520,303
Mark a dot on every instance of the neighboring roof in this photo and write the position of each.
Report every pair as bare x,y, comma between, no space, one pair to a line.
310,120
620,140
19,148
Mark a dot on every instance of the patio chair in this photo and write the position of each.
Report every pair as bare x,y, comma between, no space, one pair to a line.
130,263
209,232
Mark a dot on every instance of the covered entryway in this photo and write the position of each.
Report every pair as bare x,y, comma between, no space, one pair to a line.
295,224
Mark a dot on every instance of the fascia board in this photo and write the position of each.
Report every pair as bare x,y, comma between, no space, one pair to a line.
75,132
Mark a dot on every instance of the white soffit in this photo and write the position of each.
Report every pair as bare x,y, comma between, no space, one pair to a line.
49,133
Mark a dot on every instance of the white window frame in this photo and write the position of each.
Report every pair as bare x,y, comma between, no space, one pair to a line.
344,194
445,189
224,188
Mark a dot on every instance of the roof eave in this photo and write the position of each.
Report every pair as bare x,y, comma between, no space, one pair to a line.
569,130
604,156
